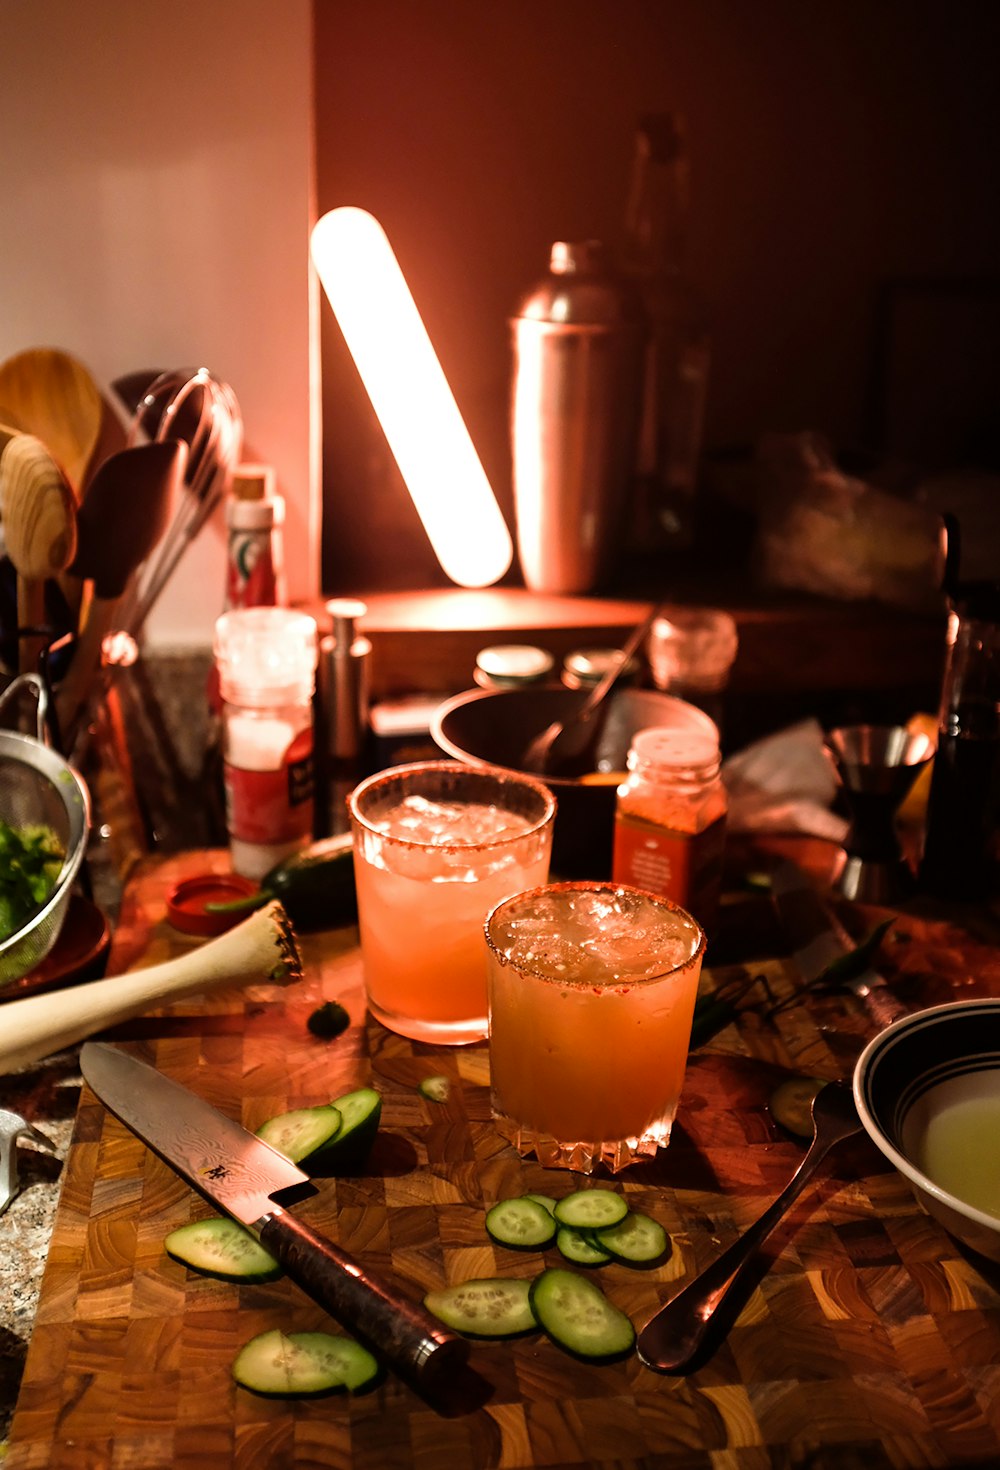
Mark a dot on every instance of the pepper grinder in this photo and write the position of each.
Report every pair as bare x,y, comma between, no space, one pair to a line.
342,705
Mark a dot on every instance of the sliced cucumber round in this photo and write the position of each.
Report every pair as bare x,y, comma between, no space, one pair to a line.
522,1224
303,1364
360,1112
591,1209
219,1247
578,1316
638,1240
435,1089
302,1131
545,1200
486,1307
580,1248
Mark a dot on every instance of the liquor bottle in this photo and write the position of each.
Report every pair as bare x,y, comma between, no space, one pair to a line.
961,857
679,349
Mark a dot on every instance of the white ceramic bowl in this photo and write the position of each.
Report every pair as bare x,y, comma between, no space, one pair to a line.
928,1092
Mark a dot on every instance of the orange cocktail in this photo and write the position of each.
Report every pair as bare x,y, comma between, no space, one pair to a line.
592,989
436,845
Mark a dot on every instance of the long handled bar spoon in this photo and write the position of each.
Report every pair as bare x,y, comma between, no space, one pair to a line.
670,1340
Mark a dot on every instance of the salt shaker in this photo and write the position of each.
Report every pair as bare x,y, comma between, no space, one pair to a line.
266,658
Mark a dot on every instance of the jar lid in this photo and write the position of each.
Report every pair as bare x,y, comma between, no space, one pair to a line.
587,666
187,901
512,664
691,748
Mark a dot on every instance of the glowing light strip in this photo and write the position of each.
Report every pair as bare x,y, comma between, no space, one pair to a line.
411,396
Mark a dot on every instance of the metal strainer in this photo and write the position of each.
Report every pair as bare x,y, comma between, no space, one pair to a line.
37,785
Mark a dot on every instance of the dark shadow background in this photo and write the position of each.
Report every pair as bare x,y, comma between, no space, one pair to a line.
844,226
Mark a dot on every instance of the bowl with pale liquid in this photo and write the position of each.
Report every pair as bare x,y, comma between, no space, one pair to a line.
928,1092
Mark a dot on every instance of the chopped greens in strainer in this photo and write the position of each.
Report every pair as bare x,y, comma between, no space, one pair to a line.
31,859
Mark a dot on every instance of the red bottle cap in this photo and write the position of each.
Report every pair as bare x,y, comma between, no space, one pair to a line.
186,903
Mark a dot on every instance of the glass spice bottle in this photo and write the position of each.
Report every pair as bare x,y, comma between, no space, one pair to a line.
670,819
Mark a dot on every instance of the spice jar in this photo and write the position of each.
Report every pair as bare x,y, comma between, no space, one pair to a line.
670,818
266,658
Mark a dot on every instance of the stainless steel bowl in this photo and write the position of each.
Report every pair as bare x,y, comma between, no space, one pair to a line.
38,786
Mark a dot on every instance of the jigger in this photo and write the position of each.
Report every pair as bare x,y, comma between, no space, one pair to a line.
877,766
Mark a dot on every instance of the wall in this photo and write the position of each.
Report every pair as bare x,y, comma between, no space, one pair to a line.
834,147
158,194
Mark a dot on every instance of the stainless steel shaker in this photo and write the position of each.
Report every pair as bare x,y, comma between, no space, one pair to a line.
579,341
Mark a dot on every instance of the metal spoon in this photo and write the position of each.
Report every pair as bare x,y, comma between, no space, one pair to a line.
670,1340
565,748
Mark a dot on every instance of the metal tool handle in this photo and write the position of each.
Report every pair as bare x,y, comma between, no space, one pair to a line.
402,1333
670,1340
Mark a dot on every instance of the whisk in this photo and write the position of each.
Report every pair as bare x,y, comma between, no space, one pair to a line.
215,445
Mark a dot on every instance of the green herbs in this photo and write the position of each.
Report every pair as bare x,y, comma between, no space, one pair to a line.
31,860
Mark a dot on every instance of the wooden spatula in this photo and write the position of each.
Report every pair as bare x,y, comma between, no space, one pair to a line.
38,509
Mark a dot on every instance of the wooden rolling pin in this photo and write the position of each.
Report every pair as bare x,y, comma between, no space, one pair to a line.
260,949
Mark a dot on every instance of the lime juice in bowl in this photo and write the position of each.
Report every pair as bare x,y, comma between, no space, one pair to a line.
436,845
592,989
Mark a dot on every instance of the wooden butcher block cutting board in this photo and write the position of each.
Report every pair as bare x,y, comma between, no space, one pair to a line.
869,1340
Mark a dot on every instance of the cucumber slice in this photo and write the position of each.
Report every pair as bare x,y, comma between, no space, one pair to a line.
545,1200
580,1248
220,1247
360,1112
578,1316
791,1104
591,1209
303,1364
435,1089
301,1132
637,1240
486,1307
522,1224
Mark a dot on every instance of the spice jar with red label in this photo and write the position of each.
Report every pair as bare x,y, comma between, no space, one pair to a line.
670,818
266,658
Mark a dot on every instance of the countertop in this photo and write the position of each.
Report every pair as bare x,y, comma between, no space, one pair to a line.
872,1340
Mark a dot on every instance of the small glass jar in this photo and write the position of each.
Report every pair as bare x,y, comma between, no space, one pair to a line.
266,658
670,819
512,666
585,667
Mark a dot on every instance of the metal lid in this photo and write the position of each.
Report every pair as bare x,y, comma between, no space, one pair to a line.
512,664
582,290
585,667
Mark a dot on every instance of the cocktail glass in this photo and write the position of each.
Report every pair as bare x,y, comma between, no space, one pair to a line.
436,845
592,989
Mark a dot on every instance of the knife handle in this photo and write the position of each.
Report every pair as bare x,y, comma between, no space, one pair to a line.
399,1330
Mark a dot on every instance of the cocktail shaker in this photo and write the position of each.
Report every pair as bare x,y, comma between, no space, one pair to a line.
579,342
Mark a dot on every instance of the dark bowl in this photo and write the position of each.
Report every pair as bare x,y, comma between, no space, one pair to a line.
495,726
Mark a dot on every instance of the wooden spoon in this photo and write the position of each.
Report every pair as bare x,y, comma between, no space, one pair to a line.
39,524
52,395
129,504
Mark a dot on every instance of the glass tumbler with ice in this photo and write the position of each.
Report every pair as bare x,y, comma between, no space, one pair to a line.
591,991
436,845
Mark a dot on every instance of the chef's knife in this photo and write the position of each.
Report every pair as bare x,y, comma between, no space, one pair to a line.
240,1174
819,940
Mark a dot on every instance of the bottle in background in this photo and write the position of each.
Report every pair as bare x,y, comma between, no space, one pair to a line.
679,348
961,858
255,515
